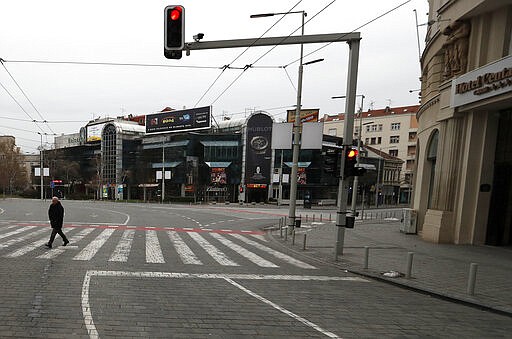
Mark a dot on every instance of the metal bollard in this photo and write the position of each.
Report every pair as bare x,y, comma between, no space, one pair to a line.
306,218
280,231
293,237
472,278
408,269
330,217
313,218
286,234
366,257
320,217
304,243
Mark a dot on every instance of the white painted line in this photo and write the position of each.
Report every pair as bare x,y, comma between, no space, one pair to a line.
19,230
25,237
187,256
28,248
2,211
57,251
216,254
275,253
283,310
88,252
86,307
259,237
153,251
244,252
123,248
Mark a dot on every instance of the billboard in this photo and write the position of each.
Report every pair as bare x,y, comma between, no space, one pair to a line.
94,132
259,152
177,121
306,115
218,175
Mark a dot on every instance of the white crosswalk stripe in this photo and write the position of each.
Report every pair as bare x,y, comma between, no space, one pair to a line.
88,252
30,247
123,248
153,250
275,253
8,234
222,248
217,255
185,253
74,239
35,232
244,252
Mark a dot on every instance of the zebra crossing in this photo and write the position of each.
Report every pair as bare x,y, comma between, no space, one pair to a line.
188,246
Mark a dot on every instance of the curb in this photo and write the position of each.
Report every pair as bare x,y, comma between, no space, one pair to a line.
375,276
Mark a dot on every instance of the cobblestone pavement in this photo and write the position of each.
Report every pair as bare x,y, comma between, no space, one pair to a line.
191,281
438,269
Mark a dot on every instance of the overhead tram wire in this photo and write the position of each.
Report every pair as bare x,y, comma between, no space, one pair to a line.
107,64
16,101
266,53
243,52
26,96
354,30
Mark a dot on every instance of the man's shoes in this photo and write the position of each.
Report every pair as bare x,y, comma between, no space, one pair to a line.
65,243
48,245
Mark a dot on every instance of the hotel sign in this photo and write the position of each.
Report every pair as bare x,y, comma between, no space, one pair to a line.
488,81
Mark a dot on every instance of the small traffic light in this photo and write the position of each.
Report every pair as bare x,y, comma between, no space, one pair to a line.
351,169
174,39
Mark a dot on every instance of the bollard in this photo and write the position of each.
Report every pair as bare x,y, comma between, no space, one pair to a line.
306,218
408,269
293,237
366,257
472,278
313,218
286,235
304,243
321,217
280,231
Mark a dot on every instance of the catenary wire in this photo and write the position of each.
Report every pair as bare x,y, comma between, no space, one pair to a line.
25,95
236,58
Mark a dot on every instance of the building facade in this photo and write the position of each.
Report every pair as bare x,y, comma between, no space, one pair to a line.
463,186
392,130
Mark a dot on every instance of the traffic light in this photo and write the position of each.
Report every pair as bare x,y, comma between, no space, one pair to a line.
351,169
174,31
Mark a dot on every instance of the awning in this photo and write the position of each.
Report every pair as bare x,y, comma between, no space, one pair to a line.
222,164
300,164
220,143
170,164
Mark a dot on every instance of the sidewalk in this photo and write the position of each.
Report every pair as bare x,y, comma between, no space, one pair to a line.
438,269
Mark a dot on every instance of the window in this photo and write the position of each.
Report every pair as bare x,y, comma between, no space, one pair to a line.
379,128
395,126
394,139
373,141
379,140
366,141
332,131
393,152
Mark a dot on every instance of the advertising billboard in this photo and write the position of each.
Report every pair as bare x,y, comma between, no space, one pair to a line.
177,121
306,115
218,176
259,152
94,132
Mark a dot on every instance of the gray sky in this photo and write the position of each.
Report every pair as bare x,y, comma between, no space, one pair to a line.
128,31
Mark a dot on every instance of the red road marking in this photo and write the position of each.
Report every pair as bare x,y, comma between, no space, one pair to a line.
152,228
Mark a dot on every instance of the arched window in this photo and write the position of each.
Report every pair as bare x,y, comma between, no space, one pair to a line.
431,160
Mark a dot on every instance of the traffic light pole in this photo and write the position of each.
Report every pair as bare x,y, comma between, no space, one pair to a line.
350,103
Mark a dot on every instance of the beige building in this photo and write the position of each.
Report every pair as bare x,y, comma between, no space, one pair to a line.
391,130
463,185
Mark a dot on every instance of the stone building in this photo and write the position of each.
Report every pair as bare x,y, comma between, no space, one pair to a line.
463,186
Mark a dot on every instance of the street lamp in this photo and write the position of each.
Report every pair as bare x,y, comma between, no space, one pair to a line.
41,172
296,124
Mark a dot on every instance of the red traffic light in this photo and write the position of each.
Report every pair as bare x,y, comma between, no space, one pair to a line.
352,153
175,13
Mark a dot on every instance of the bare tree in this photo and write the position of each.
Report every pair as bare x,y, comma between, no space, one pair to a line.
13,175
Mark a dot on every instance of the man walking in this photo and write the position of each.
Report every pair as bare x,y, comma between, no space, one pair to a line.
56,215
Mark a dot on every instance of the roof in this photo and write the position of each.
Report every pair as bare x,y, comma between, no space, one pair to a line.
387,111
382,154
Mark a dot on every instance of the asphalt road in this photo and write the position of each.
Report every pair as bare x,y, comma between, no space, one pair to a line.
180,271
